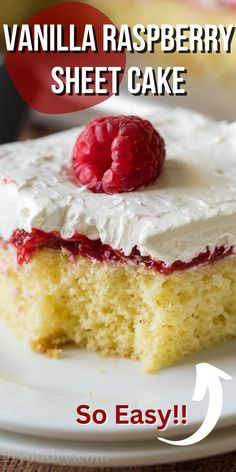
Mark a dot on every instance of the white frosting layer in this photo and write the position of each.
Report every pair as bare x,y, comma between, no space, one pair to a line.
192,204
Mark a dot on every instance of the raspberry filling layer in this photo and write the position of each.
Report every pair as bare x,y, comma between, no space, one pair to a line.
27,243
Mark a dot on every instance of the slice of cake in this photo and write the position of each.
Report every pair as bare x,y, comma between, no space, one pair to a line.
148,273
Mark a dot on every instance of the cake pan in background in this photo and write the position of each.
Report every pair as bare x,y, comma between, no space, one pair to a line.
211,78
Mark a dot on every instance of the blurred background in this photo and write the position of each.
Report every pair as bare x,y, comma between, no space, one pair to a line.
211,78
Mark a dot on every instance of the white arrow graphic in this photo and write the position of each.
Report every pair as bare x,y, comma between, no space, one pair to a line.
207,378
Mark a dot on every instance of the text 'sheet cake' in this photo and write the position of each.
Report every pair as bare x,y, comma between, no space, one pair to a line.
148,274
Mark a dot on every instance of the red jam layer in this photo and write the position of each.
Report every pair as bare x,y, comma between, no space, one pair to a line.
27,243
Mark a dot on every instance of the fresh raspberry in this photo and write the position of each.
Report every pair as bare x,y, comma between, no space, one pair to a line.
118,154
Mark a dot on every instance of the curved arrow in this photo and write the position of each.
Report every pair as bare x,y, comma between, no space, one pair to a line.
207,378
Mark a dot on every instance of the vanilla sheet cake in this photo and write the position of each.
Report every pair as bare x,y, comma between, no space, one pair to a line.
148,274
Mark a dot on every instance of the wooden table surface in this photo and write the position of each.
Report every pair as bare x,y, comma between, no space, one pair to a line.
222,463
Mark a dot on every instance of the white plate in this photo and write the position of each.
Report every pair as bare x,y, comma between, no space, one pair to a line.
112,454
39,396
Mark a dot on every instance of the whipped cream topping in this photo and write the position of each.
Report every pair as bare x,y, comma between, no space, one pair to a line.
192,204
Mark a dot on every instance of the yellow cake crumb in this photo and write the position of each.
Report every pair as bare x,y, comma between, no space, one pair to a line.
47,348
117,309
